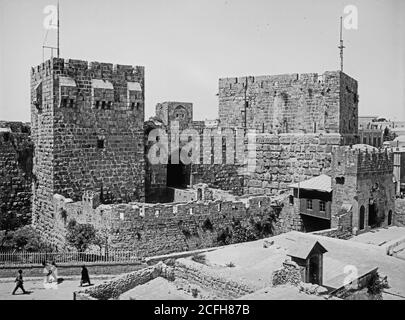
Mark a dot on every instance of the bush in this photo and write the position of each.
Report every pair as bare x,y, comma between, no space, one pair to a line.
224,237
207,225
230,265
376,285
81,236
252,230
25,238
194,292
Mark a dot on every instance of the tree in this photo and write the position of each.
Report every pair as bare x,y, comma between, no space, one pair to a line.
25,238
81,236
389,135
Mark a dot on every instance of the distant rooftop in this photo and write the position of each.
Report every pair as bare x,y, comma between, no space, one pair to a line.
321,183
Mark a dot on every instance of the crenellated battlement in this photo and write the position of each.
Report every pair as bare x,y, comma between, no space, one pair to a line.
153,229
278,80
81,85
91,208
88,67
354,160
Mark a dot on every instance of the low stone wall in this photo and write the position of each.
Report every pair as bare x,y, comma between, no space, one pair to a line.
354,286
201,275
338,233
156,229
114,288
185,270
290,273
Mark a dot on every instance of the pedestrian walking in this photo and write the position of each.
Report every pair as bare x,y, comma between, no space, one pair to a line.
54,272
19,283
85,276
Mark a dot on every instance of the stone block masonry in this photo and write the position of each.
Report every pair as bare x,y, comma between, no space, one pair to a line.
364,183
400,212
87,127
182,270
292,103
155,229
16,153
288,158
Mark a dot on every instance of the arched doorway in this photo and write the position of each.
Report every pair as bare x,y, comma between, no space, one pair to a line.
178,175
372,215
390,217
362,216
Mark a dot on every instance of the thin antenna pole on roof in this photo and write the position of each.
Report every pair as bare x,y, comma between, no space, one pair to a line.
341,46
57,48
58,35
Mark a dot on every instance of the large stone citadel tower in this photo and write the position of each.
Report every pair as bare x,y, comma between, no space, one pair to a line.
291,103
87,127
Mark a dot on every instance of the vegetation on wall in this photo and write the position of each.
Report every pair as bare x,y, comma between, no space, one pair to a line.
25,238
376,285
81,236
255,228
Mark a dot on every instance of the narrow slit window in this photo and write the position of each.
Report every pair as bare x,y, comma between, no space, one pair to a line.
100,143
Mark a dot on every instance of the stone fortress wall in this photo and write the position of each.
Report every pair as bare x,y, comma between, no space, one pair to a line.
154,229
91,154
284,159
16,154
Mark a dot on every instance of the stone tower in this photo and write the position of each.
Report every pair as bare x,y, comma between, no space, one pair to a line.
292,103
87,128
363,186
182,112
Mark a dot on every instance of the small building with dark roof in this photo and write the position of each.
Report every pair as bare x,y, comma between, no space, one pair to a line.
308,254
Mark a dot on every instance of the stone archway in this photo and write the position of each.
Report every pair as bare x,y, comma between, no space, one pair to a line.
178,174
372,215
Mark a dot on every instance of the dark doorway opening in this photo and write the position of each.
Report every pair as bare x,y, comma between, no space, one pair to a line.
372,216
311,224
178,175
362,217
389,217
314,270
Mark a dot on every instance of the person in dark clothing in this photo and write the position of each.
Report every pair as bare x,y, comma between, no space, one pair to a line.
19,283
85,276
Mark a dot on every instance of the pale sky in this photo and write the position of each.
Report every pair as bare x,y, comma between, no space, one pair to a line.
187,45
